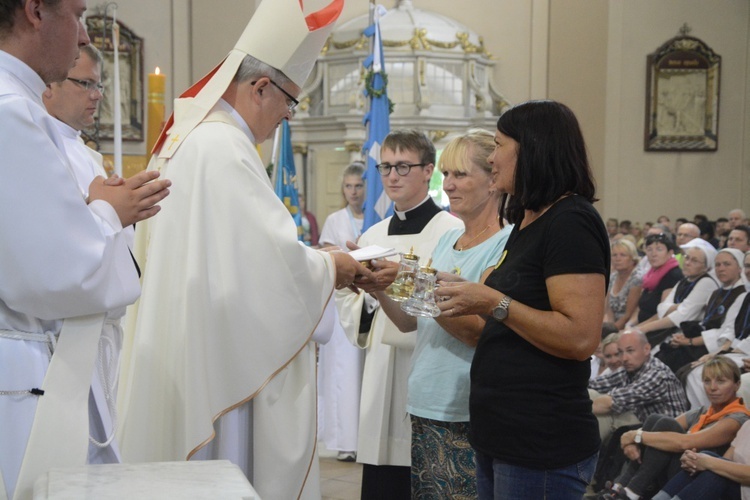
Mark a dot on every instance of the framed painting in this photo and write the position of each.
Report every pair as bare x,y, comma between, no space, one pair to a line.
130,54
682,96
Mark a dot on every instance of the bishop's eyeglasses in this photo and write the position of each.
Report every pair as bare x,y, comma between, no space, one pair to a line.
291,102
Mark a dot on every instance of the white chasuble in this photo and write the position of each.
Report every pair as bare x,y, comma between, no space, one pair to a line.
230,302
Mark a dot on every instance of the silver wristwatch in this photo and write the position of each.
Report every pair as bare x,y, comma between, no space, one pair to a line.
500,311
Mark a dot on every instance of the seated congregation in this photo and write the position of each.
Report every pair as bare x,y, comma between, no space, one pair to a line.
667,381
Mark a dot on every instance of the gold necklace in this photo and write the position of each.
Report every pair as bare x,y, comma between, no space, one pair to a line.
461,249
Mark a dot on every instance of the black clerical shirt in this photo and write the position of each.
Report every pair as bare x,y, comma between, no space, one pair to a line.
416,219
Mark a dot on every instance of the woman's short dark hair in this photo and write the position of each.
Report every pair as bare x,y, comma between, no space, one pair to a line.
663,238
551,158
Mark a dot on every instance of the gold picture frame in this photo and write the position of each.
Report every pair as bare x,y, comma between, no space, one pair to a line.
682,103
130,52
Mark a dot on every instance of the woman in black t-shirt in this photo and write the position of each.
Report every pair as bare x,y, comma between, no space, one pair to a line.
531,419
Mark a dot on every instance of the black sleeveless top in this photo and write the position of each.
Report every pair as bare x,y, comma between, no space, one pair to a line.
742,323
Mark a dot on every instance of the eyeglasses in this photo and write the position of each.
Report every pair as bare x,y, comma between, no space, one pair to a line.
291,101
401,168
88,85
688,258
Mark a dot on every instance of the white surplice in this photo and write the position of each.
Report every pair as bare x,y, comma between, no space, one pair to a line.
339,362
384,425
87,164
59,259
222,331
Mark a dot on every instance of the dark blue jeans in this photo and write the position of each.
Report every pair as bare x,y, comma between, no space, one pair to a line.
702,485
501,480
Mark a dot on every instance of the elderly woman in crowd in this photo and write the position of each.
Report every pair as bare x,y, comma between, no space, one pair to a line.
699,337
545,303
624,284
442,461
733,340
654,450
685,301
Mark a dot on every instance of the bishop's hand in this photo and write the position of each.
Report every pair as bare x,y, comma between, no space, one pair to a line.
348,269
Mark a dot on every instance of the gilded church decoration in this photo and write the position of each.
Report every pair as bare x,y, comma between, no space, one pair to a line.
299,149
437,135
353,146
682,89
304,103
440,81
418,41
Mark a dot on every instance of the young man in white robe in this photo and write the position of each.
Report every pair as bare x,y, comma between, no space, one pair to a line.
384,446
61,261
340,363
74,102
221,364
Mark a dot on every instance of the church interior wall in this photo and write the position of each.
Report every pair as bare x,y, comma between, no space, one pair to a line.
578,71
589,54
641,185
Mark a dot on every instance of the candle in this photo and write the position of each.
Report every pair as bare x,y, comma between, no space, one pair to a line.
118,98
156,86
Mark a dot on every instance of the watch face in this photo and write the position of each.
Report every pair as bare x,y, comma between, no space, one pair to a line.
499,313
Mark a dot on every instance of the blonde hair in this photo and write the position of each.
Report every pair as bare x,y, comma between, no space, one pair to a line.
612,338
357,168
629,246
354,168
721,366
472,148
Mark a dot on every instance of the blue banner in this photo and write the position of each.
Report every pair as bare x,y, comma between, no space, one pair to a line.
377,204
286,178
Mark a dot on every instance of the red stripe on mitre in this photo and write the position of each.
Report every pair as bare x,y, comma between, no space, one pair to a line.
324,16
191,92
315,21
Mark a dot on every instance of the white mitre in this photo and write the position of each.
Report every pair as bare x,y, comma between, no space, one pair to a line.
280,35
